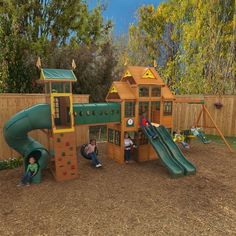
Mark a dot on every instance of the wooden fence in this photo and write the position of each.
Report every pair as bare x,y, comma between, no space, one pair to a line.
10,104
186,114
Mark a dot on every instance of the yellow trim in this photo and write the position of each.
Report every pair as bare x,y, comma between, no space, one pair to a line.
54,129
41,75
127,73
148,75
113,89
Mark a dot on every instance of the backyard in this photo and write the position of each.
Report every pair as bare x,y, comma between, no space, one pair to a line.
134,199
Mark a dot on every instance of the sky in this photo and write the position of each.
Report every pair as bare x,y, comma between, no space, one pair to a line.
123,12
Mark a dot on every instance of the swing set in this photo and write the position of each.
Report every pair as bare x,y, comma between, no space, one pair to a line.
204,113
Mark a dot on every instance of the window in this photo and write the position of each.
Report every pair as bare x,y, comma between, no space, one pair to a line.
61,87
143,92
117,137
155,106
142,139
143,107
167,108
129,109
156,92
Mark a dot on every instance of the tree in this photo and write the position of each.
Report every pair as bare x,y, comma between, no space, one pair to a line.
44,28
193,41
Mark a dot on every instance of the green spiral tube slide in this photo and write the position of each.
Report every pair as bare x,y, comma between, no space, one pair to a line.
16,135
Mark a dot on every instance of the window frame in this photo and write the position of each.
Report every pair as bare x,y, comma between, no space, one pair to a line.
130,109
169,110
153,91
146,95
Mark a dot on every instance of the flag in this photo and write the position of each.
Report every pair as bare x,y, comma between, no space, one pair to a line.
38,63
73,65
154,63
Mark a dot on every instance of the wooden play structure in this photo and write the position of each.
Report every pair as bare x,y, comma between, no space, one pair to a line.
139,90
58,84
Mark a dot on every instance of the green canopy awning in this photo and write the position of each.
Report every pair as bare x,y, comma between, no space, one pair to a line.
57,75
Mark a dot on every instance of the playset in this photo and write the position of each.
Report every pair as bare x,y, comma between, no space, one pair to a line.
140,91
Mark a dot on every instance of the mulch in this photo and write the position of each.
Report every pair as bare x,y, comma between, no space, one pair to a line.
132,199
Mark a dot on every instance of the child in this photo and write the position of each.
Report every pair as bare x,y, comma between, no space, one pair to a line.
90,151
146,124
31,171
196,132
128,144
178,137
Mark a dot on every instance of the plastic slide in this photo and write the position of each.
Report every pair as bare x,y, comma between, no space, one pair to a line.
16,135
168,161
163,133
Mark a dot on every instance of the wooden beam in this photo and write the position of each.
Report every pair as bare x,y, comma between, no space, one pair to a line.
198,118
218,130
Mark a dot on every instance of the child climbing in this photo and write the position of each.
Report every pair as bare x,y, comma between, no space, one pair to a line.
146,124
128,144
90,151
31,171
178,137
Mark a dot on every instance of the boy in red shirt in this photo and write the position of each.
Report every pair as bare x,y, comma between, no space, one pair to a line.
146,124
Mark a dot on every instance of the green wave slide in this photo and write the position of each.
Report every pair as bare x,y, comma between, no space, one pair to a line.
16,131
164,135
174,168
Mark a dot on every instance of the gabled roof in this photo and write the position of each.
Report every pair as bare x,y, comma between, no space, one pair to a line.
138,74
122,89
59,75
167,94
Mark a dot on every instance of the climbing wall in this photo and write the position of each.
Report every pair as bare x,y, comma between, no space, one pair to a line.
65,158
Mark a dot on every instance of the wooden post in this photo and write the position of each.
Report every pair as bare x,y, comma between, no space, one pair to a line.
218,130
198,119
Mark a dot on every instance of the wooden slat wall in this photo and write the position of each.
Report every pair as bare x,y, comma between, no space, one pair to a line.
185,114
10,104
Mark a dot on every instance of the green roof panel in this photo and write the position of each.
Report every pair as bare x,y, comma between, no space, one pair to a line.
57,74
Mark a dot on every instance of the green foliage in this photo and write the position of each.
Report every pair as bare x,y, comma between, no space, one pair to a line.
29,29
194,42
11,163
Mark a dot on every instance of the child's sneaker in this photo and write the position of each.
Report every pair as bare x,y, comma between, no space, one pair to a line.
19,185
98,165
28,184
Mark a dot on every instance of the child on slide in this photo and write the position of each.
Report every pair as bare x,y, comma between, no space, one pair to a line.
31,171
146,124
90,151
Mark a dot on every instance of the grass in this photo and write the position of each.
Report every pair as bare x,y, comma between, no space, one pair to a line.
218,139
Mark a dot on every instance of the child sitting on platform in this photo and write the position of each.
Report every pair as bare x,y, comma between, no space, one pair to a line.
90,151
31,171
